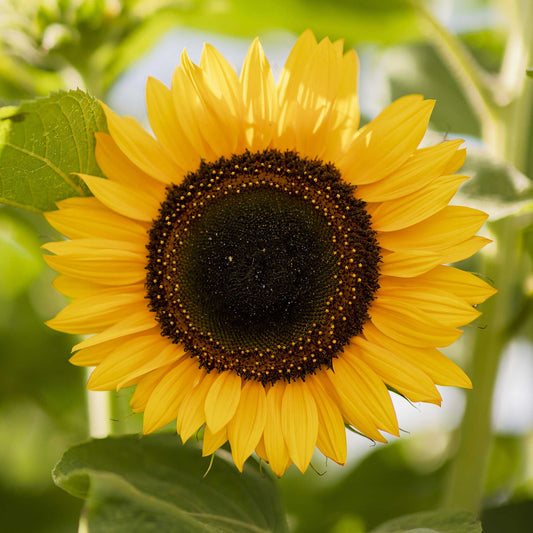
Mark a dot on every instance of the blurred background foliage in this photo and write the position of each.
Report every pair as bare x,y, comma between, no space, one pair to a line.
97,45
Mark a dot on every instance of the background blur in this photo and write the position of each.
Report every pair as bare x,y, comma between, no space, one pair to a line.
109,48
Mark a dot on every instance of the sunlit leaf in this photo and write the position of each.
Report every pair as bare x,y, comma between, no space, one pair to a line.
419,69
389,482
495,187
487,46
528,239
506,466
156,484
387,21
19,250
42,143
19,79
432,522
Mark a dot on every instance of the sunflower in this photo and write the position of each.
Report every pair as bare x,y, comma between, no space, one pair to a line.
262,267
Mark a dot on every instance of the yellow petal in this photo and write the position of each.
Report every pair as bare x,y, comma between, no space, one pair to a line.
346,383
213,441
188,110
260,450
246,427
421,168
450,226
167,128
94,355
141,148
413,208
456,162
142,321
90,246
374,395
81,202
165,400
76,288
132,203
223,80
91,314
259,98
164,354
463,284
464,249
410,326
191,414
96,223
438,367
304,46
145,387
133,358
386,142
395,371
408,264
275,447
217,122
117,167
443,307
345,112
109,267
331,439
222,400
312,89
299,421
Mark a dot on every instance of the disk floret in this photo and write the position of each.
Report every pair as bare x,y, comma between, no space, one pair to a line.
263,263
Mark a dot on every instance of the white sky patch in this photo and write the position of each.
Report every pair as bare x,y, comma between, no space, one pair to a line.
513,395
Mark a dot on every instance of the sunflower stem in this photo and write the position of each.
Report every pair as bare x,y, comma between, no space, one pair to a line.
474,80
506,133
467,475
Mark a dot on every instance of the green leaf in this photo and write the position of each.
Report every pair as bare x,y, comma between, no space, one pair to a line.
19,250
386,21
529,72
156,484
42,143
52,511
528,239
511,517
432,522
506,466
391,481
418,69
495,186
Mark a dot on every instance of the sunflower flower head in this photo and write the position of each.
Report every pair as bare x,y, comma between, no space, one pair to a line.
262,267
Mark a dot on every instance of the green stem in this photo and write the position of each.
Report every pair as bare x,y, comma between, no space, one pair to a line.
513,122
504,114
468,471
475,82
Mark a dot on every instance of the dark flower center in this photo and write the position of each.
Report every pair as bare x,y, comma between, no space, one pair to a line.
264,264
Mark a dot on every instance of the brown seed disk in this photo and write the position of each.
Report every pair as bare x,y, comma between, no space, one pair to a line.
264,264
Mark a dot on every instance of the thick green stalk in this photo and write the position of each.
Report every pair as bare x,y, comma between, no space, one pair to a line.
468,470
503,108
477,84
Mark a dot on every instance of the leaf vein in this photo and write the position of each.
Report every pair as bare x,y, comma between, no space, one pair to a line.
51,165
